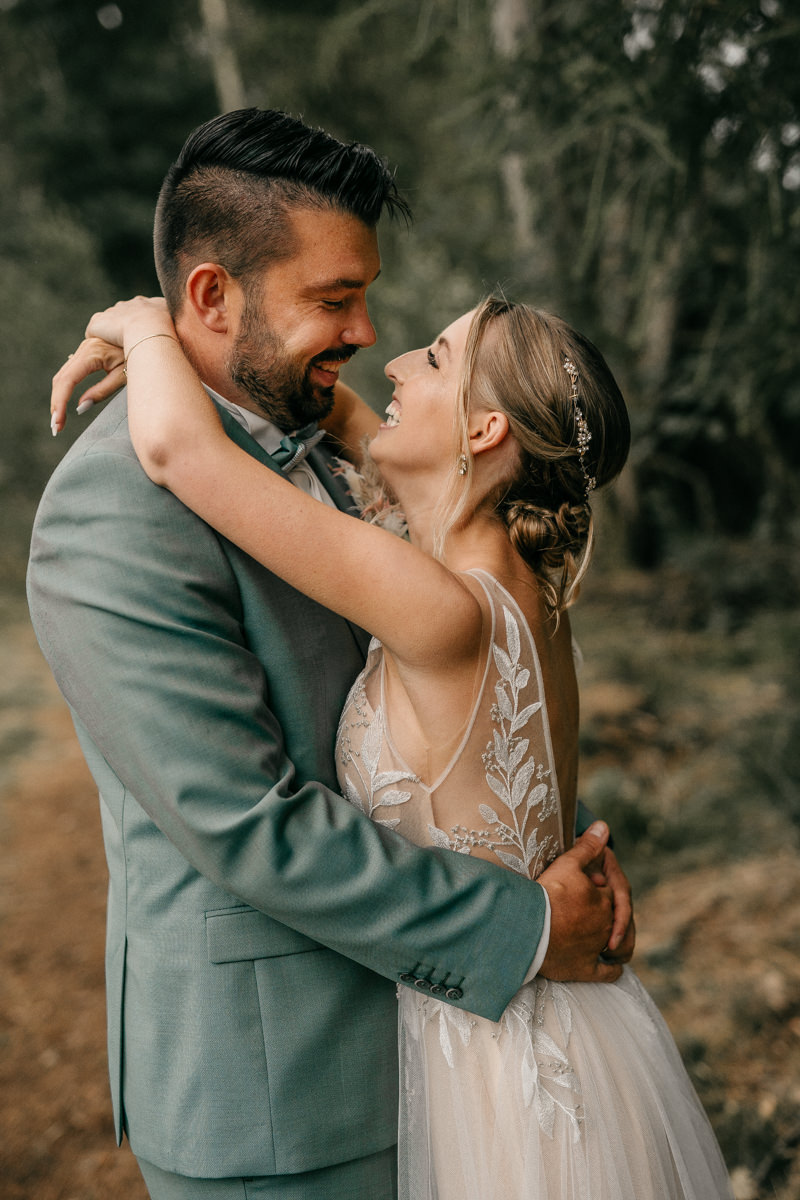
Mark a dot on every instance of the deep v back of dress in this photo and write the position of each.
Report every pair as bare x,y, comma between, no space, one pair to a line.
497,793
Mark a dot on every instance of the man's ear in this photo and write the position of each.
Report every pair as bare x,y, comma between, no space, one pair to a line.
214,297
487,430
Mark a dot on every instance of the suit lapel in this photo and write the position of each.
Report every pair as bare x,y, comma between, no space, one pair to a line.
322,463
237,433
320,459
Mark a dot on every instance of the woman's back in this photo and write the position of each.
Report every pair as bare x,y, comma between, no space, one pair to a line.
503,785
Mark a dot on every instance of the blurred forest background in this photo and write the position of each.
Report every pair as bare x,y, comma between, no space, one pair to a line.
631,164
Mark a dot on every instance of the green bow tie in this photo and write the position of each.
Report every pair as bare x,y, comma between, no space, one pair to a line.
295,446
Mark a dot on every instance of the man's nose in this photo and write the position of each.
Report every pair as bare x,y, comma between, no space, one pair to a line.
360,330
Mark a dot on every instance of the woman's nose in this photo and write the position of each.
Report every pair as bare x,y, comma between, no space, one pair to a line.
397,369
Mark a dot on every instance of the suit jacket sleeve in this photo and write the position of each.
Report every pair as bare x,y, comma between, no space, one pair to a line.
137,609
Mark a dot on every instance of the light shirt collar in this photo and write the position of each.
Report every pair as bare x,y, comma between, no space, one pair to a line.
268,436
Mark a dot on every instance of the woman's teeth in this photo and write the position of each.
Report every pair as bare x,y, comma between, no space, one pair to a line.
392,415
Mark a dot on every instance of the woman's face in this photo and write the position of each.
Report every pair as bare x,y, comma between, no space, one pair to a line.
418,430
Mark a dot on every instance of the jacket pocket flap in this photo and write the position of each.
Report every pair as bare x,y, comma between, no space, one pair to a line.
236,934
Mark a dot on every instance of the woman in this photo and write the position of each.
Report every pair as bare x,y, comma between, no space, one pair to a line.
462,728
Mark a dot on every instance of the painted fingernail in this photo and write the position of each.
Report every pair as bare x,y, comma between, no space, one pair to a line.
83,407
53,424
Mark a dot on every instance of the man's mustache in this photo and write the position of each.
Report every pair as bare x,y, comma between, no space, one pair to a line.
340,355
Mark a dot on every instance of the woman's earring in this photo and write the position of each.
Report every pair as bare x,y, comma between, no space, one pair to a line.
462,464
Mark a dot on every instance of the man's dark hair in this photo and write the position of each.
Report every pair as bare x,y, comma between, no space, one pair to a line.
228,195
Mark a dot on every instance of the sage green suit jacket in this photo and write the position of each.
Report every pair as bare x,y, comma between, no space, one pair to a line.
257,922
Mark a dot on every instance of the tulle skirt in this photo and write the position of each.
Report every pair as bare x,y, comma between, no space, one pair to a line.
577,1093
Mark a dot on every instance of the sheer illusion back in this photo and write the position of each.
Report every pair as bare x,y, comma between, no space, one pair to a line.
578,1092
497,793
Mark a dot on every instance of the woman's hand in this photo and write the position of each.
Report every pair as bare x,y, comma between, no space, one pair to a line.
92,355
623,934
130,321
110,336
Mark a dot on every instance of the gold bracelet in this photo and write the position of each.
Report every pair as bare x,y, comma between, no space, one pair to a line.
146,338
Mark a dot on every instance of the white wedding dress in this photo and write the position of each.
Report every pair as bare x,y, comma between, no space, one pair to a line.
578,1092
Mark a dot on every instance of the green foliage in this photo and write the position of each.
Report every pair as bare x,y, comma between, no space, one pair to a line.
53,281
633,166
94,111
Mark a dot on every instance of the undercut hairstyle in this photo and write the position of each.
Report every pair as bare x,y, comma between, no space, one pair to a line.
228,196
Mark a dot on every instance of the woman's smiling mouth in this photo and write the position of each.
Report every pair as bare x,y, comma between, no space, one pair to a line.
392,415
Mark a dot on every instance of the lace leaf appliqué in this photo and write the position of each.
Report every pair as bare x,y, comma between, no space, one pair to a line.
365,763
549,1084
453,1020
509,773
454,1025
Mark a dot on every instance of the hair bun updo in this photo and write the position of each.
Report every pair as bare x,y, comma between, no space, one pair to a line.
554,542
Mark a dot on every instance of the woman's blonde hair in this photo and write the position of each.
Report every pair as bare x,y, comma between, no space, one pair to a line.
555,388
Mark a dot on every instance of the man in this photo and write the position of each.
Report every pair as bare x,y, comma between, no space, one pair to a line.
258,923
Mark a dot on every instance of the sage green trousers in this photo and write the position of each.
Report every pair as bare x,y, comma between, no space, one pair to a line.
371,1178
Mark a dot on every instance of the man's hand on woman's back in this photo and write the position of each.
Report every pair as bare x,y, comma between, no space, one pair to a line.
591,916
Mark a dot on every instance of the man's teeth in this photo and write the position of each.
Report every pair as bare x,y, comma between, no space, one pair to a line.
332,367
392,415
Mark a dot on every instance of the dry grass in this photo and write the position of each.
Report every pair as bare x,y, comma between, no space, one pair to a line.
690,750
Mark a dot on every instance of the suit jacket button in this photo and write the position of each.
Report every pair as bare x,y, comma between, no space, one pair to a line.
437,989
406,978
422,984
454,993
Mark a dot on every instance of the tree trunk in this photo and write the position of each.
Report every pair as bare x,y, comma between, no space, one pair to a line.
224,66
510,20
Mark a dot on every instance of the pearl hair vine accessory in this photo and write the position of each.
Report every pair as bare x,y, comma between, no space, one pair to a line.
584,433
462,464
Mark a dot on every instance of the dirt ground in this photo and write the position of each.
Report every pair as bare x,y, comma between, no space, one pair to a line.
718,949
56,1134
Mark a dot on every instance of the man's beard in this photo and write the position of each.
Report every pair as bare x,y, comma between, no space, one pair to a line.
280,386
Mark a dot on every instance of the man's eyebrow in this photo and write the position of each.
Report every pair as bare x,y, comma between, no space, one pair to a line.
341,284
